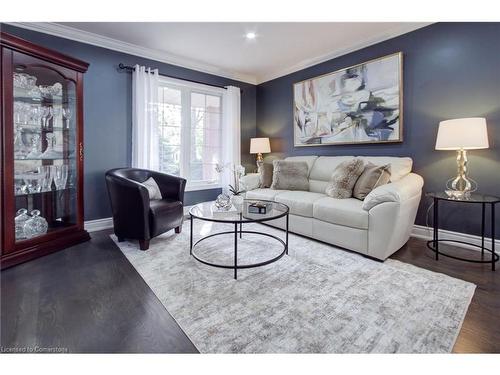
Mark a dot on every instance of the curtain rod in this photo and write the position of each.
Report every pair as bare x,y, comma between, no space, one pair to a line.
131,69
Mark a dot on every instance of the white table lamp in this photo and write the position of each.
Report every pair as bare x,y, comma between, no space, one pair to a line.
259,146
462,134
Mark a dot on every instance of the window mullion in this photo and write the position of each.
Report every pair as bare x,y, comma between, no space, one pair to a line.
186,134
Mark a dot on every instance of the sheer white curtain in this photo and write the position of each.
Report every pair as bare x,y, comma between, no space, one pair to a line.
145,140
231,133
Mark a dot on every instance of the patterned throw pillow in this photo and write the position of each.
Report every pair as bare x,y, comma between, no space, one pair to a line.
153,189
344,178
290,175
373,176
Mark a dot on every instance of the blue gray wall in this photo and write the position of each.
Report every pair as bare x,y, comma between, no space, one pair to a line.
450,70
108,113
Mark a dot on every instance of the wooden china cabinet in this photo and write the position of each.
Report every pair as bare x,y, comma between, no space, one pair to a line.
41,150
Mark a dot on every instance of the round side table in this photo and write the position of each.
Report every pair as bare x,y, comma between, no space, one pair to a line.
481,199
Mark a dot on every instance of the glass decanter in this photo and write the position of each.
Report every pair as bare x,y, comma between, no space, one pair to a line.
35,152
20,149
50,152
20,219
36,225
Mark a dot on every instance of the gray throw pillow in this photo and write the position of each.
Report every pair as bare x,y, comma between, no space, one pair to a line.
373,176
266,175
290,175
153,189
344,178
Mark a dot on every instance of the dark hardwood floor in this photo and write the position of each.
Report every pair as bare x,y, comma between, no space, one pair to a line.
89,298
86,299
480,331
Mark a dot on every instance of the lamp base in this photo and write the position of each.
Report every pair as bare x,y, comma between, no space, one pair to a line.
457,194
260,161
461,183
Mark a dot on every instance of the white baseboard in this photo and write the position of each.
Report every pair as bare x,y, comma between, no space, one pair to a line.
422,232
419,231
107,222
99,224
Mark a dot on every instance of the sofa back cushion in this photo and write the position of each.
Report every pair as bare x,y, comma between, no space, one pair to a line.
322,171
308,159
324,166
400,166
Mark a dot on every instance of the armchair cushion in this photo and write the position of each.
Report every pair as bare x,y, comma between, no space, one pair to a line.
171,187
153,189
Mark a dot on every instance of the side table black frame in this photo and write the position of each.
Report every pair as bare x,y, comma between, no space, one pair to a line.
434,243
239,231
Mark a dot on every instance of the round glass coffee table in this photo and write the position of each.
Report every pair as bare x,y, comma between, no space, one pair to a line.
246,214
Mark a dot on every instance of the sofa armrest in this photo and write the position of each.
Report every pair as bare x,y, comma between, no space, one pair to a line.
398,191
250,181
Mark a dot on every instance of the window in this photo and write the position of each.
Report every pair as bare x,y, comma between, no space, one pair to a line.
190,131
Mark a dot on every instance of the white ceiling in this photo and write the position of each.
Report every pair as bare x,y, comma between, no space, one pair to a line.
221,48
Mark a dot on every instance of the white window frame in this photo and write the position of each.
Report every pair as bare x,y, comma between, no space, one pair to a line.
186,89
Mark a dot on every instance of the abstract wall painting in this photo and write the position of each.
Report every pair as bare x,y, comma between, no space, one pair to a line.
359,104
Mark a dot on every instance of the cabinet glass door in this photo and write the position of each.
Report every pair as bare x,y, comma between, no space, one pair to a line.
45,148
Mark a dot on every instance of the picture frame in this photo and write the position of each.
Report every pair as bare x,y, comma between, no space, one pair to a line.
359,104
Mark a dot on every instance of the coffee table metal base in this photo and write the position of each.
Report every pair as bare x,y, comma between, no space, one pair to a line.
238,232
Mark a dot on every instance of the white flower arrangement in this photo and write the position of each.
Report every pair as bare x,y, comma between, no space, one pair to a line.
238,171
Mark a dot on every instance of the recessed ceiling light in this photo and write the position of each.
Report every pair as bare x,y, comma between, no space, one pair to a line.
250,35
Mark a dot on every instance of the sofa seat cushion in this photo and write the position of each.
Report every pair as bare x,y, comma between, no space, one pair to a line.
300,202
348,212
265,194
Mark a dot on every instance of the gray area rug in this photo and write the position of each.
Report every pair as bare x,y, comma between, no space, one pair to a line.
319,299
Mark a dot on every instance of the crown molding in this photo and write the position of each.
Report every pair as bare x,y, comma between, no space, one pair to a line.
397,31
165,57
86,37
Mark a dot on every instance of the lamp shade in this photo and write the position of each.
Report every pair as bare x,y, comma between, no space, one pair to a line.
260,145
462,134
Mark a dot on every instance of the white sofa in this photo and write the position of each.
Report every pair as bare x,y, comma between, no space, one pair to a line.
377,227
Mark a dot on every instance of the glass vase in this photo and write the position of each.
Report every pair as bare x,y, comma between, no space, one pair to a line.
36,225
20,219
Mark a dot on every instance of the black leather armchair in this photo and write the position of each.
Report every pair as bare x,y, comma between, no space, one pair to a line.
134,215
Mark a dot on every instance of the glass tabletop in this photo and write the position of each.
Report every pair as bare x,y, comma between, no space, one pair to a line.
252,210
472,198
